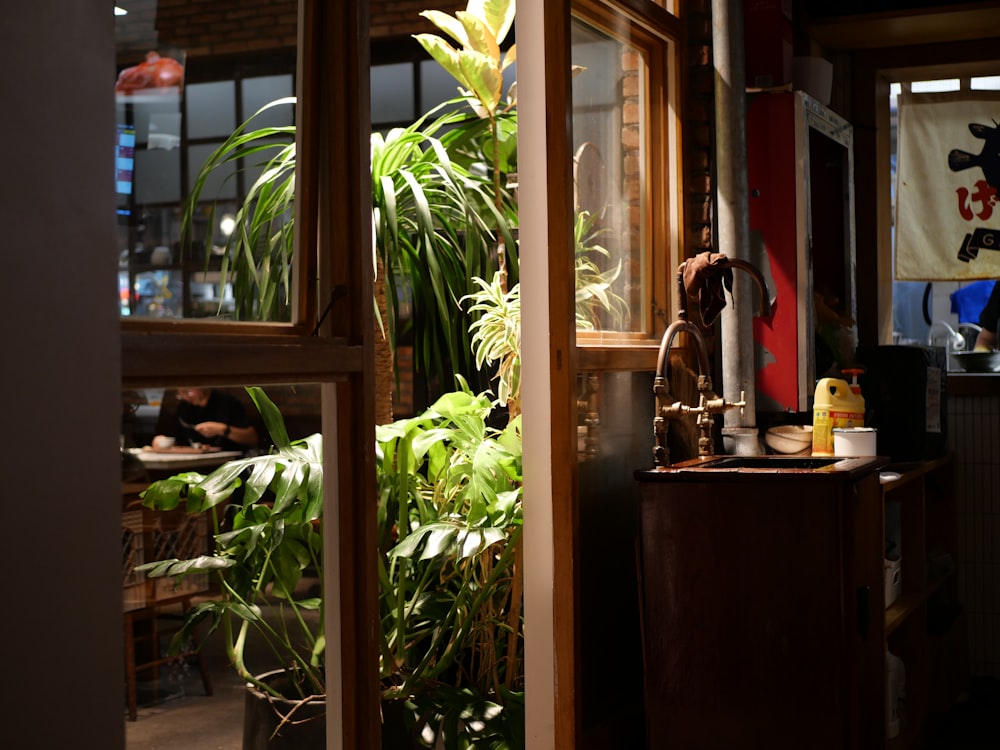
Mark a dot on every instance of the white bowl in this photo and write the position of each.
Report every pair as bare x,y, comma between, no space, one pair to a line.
789,438
162,442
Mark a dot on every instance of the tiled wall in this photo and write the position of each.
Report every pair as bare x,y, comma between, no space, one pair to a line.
974,438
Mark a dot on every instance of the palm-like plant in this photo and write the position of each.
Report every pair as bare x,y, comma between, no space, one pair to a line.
434,222
257,256
594,294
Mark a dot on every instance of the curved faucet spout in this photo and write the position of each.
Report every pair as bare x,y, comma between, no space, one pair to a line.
667,342
956,341
758,277
764,310
708,403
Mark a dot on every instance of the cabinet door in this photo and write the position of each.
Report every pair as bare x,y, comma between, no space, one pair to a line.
864,547
751,613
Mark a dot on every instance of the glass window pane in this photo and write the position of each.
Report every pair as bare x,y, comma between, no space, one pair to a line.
609,181
174,104
211,109
991,83
157,176
436,85
260,91
141,109
220,183
392,93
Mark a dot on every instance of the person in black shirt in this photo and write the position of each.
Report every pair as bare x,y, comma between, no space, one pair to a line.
209,417
986,339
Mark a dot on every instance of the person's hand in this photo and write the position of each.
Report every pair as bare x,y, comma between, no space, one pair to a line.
986,341
211,429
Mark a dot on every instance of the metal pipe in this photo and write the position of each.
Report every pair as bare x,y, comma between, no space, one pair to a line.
732,202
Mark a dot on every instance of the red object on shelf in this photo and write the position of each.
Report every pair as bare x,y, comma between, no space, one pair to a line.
155,72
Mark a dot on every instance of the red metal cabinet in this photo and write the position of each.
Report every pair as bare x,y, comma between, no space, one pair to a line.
800,175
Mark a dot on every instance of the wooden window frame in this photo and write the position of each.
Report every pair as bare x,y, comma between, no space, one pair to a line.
333,219
551,358
658,36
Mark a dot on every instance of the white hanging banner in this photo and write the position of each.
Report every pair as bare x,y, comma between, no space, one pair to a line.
948,182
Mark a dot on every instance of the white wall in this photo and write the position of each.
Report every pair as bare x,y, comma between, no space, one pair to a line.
60,380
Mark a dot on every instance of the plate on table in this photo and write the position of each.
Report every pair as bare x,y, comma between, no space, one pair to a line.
189,449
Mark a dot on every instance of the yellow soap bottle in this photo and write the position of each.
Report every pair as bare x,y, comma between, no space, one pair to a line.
835,404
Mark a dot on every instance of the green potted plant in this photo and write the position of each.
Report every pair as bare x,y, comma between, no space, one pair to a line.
266,512
450,522
435,220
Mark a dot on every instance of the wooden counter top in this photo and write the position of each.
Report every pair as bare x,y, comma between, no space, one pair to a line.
973,384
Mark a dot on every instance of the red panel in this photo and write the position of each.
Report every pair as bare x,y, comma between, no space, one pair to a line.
772,182
767,32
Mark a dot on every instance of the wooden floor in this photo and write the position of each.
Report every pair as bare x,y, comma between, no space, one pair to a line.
974,723
180,717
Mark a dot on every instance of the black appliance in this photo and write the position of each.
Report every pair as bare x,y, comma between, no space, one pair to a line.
906,400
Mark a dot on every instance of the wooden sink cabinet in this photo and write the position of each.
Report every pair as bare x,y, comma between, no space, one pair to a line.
763,605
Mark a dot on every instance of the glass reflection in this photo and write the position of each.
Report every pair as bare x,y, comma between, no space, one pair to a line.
608,171
177,98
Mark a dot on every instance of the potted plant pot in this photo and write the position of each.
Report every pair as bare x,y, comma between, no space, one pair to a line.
271,723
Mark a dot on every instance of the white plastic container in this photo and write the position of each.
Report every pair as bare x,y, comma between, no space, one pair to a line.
854,441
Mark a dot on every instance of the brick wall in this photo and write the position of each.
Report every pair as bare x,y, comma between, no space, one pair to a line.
203,28
402,17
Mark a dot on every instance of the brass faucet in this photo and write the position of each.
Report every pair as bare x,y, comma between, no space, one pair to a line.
709,403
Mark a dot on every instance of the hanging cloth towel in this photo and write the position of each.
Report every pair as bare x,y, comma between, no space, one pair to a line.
706,277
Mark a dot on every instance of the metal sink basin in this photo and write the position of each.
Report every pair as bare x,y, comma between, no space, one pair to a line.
762,468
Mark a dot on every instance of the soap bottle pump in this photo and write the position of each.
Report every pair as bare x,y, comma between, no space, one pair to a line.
854,372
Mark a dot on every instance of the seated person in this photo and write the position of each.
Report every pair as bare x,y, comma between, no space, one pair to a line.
986,340
210,417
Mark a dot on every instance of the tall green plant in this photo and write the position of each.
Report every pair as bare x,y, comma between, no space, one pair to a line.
434,221
478,64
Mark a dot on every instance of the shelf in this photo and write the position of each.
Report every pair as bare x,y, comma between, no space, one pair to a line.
907,604
912,471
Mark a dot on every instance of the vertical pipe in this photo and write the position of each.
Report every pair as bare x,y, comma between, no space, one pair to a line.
732,213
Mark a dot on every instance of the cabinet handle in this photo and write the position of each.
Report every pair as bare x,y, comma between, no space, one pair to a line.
863,596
